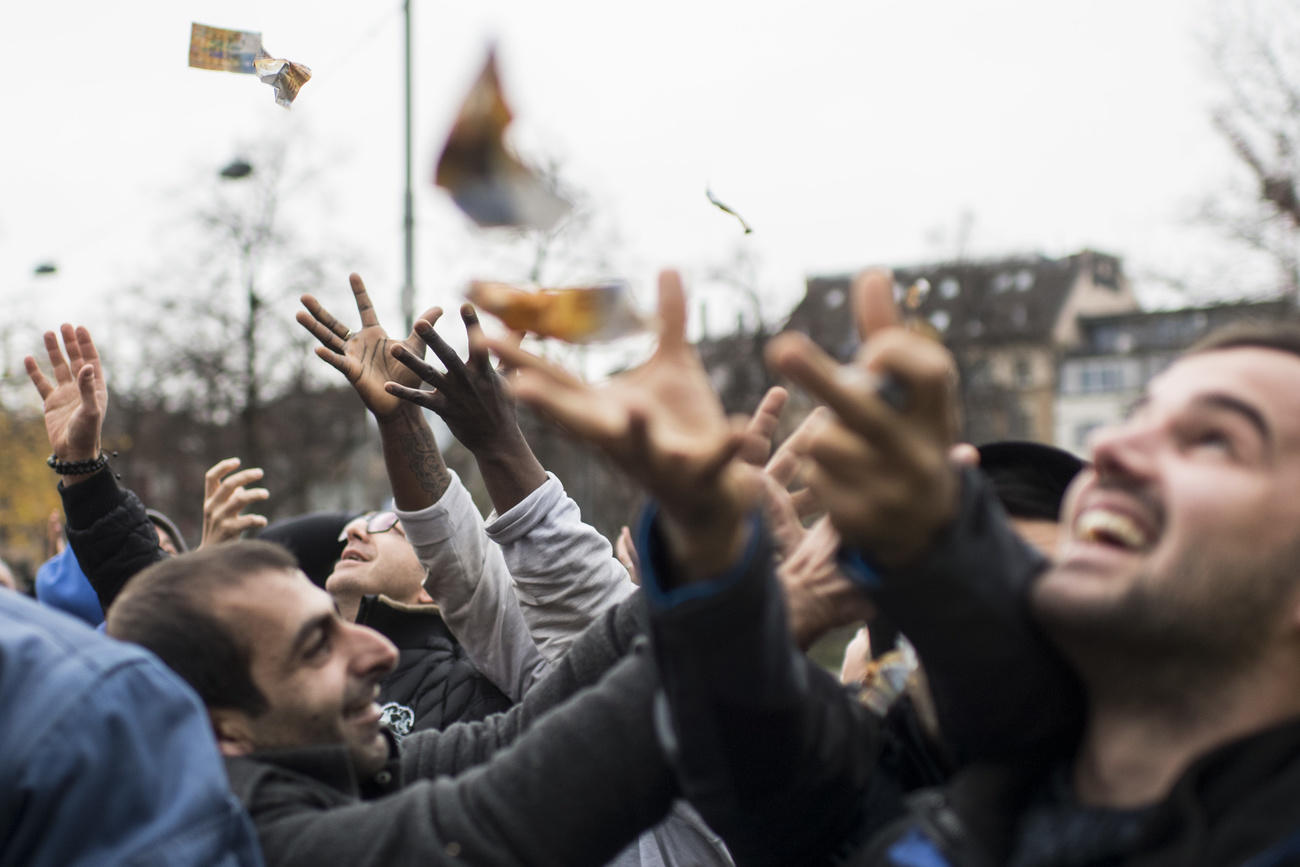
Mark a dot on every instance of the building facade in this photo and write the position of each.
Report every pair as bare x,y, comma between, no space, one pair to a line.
1007,322
1117,355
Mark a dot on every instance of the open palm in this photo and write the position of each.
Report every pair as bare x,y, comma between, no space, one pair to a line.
76,401
365,356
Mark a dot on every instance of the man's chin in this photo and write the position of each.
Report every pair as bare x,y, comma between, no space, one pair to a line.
370,756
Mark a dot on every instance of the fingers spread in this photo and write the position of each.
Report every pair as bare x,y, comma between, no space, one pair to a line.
364,307
762,426
43,387
212,478
70,346
479,358
86,386
421,368
58,363
447,355
86,347
321,323
341,363
433,400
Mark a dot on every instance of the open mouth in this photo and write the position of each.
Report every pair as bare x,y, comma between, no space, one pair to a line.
1106,527
351,554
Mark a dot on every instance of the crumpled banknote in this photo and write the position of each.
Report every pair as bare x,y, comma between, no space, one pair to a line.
241,51
586,314
486,180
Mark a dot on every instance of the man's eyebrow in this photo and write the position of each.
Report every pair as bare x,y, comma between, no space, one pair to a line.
305,632
1237,406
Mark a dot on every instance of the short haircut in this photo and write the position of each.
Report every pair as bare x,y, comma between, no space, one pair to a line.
1251,334
167,609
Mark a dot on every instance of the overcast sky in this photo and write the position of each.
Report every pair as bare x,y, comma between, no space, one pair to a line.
847,133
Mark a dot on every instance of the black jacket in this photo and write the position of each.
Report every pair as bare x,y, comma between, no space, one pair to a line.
790,769
565,778
434,683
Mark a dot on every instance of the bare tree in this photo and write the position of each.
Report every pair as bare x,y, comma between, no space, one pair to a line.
1254,49
216,365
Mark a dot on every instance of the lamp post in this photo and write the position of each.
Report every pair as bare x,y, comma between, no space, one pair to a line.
239,169
408,215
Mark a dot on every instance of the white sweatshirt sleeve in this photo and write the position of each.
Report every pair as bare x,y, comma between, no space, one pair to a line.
565,572
467,576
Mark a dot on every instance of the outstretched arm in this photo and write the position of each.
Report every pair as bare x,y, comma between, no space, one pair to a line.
471,398
416,470
931,544
563,569
108,528
466,573
750,718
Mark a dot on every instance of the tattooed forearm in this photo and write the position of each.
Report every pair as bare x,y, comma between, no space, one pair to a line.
415,466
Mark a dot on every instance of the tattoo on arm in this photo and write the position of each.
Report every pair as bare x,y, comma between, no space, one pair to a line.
414,446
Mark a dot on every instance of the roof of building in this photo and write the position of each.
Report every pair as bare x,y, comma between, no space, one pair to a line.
1169,330
1012,299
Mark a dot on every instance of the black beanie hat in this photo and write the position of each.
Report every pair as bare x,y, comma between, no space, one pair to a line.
1029,478
314,540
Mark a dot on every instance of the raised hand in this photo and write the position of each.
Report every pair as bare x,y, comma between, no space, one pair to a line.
819,597
882,472
365,356
75,403
761,429
224,499
471,397
664,426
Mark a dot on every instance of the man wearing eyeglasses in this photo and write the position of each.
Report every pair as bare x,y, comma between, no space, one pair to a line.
377,582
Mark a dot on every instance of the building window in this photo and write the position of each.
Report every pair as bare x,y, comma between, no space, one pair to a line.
940,320
835,299
949,287
1099,375
1024,280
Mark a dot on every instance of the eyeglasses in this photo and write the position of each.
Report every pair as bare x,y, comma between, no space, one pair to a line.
376,522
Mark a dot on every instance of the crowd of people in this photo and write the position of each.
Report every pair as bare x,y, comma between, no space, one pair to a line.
1060,663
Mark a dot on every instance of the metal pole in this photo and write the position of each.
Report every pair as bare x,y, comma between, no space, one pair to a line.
408,219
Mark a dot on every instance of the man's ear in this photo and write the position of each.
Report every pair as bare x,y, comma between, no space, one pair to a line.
424,598
231,727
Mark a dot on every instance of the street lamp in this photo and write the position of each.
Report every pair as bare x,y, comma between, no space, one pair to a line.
239,169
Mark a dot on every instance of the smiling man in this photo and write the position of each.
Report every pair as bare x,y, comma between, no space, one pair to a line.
292,692
1175,596
378,582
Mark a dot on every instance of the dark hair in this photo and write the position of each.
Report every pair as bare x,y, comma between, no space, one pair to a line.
1251,333
167,610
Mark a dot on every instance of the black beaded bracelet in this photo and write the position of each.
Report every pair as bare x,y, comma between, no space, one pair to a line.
77,468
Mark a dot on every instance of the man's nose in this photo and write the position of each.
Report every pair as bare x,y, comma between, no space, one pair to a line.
1124,450
373,654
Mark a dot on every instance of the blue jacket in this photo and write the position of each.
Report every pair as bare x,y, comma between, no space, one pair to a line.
106,757
61,584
